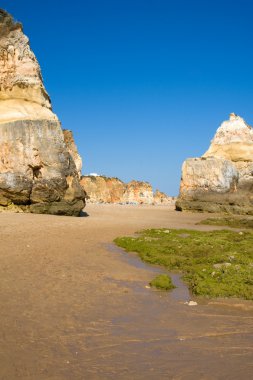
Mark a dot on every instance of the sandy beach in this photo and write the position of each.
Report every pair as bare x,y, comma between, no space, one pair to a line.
75,307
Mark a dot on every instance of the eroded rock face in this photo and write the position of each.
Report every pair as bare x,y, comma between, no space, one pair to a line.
101,189
37,172
21,83
138,192
161,198
233,141
72,149
221,180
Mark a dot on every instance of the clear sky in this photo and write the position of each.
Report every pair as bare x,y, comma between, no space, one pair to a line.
143,84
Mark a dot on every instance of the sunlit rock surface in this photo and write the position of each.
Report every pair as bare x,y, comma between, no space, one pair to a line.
138,192
101,189
163,199
233,141
37,172
72,149
222,179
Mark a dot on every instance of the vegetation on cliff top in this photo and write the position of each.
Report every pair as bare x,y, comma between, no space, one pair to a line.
214,264
7,23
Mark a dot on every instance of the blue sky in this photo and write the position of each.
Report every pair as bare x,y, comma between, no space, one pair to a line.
143,84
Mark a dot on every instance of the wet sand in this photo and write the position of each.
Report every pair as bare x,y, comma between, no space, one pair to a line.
74,307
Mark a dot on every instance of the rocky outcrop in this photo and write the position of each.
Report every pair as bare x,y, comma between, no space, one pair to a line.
222,179
72,149
37,172
101,189
233,141
163,199
138,192
22,93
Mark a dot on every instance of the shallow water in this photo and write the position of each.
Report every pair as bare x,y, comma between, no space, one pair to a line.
180,293
73,309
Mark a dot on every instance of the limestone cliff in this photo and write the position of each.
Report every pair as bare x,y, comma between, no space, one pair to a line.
222,179
138,192
233,141
101,189
161,198
22,93
37,172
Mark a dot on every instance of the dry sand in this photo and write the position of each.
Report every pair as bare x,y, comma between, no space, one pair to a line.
72,307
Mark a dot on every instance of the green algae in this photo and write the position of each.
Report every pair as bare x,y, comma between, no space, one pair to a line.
214,263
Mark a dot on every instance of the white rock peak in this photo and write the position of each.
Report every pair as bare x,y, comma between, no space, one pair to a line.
233,140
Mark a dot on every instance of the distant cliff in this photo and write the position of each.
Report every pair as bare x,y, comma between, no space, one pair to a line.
101,189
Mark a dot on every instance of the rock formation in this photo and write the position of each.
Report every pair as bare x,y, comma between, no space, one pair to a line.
222,179
101,189
138,192
163,199
72,149
37,172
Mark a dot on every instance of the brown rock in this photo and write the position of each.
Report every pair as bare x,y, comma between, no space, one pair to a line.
72,149
101,189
